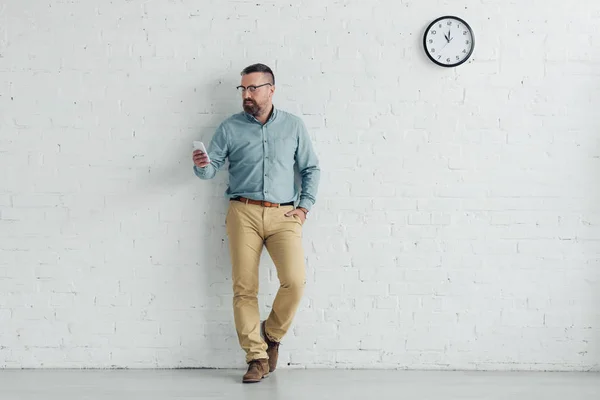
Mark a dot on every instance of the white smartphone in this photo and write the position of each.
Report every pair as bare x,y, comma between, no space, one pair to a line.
200,146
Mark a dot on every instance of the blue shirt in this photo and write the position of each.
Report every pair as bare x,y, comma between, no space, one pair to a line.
262,158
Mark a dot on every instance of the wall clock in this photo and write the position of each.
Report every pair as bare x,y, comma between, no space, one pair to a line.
448,41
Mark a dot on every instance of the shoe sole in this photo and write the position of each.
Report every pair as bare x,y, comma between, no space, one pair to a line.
254,380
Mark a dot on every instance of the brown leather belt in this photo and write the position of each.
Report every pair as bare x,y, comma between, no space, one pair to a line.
261,202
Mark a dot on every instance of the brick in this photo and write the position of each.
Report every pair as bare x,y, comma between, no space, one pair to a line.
359,357
36,200
5,201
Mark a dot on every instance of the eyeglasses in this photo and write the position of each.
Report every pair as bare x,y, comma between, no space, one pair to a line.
251,88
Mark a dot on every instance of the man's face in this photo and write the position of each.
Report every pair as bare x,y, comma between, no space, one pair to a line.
259,100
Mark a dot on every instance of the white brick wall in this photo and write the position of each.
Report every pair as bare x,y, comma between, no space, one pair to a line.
458,219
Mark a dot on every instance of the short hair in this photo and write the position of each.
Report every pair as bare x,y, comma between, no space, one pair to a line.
259,68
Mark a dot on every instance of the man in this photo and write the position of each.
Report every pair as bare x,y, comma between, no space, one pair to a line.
263,145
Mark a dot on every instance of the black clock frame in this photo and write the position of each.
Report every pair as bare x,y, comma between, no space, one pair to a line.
472,41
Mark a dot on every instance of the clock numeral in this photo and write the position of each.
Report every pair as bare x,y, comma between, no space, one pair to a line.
447,60
449,23
465,51
430,41
433,50
457,57
458,26
439,57
440,25
465,33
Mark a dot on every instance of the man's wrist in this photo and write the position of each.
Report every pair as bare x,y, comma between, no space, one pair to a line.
304,210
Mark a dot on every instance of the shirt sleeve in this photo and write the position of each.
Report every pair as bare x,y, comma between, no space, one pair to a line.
308,166
218,150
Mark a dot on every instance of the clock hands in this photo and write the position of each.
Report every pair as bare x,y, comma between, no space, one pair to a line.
448,38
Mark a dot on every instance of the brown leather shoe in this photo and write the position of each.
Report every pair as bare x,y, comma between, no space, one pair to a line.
257,370
272,350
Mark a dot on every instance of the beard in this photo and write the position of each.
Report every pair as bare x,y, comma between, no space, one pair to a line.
251,107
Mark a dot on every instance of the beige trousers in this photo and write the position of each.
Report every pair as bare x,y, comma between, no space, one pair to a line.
249,227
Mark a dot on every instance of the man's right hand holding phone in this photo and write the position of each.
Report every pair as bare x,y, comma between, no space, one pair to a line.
200,158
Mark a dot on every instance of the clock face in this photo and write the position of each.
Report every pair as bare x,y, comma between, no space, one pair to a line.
448,41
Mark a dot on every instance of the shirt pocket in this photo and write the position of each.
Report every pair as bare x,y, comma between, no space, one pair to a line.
247,152
284,149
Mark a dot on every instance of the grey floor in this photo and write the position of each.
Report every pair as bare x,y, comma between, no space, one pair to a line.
291,384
